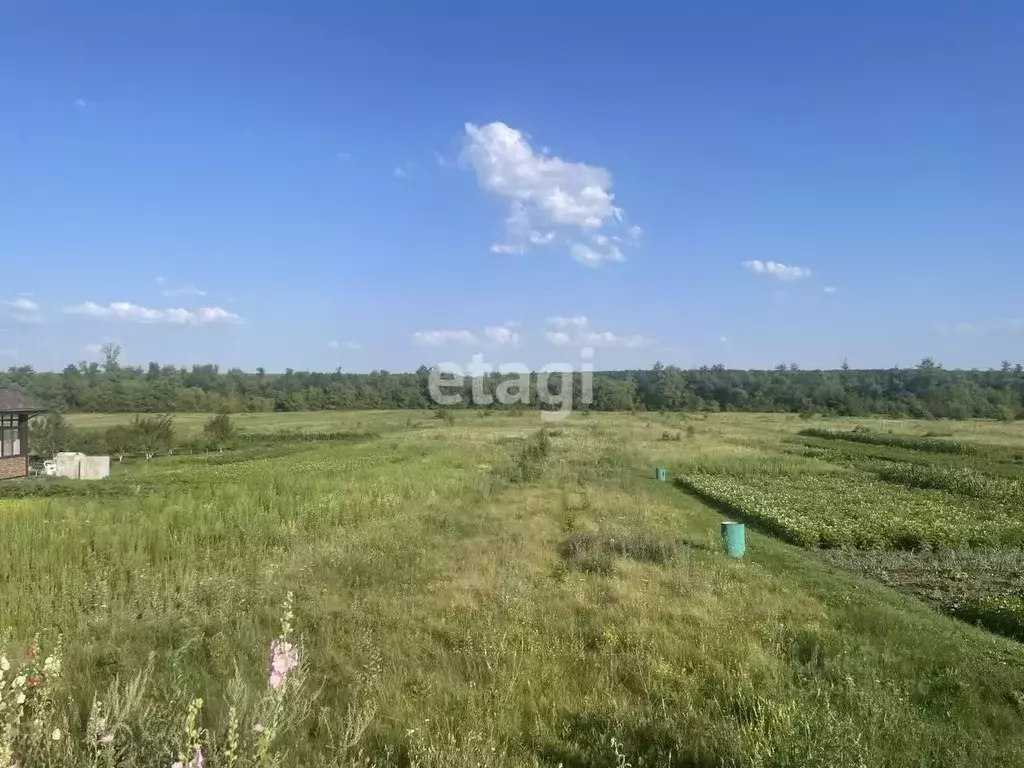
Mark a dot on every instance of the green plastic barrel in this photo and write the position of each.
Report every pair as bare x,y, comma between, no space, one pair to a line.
660,473
734,538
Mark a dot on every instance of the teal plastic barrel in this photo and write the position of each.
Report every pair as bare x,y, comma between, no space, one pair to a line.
660,473
734,537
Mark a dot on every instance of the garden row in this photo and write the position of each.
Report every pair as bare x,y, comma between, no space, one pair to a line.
852,510
927,444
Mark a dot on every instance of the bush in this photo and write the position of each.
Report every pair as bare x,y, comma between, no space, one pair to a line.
528,464
153,434
219,430
50,435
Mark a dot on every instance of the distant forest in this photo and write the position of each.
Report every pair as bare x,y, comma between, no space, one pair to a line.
925,391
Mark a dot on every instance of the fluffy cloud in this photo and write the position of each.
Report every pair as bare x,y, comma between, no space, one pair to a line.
830,289
550,200
773,268
501,334
21,310
123,310
574,330
25,304
436,338
576,321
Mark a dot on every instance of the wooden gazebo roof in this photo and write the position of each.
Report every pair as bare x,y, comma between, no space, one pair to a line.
15,402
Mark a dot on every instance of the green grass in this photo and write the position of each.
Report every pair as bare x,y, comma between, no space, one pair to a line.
927,444
999,613
191,424
482,600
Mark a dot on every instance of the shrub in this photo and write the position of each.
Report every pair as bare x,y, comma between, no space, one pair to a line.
528,464
120,440
49,435
153,434
219,430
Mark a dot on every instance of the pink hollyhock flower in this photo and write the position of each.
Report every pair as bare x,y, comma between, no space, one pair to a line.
284,657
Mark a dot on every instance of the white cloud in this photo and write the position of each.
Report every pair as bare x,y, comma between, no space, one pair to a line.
25,304
21,310
353,345
550,199
573,330
93,349
500,334
607,338
724,339
591,257
506,248
830,289
436,338
81,103
781,271
123,310
178,290
344,155
576,321
332,344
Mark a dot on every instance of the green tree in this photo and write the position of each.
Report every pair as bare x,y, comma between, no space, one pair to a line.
49,435
153,434
120,440
219,430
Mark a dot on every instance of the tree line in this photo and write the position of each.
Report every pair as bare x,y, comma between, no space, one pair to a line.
926,390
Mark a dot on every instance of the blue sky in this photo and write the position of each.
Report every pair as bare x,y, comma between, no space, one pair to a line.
379,185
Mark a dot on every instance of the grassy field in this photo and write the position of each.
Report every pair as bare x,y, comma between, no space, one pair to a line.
474,594
190,424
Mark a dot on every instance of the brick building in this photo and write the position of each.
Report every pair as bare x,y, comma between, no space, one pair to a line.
15,411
